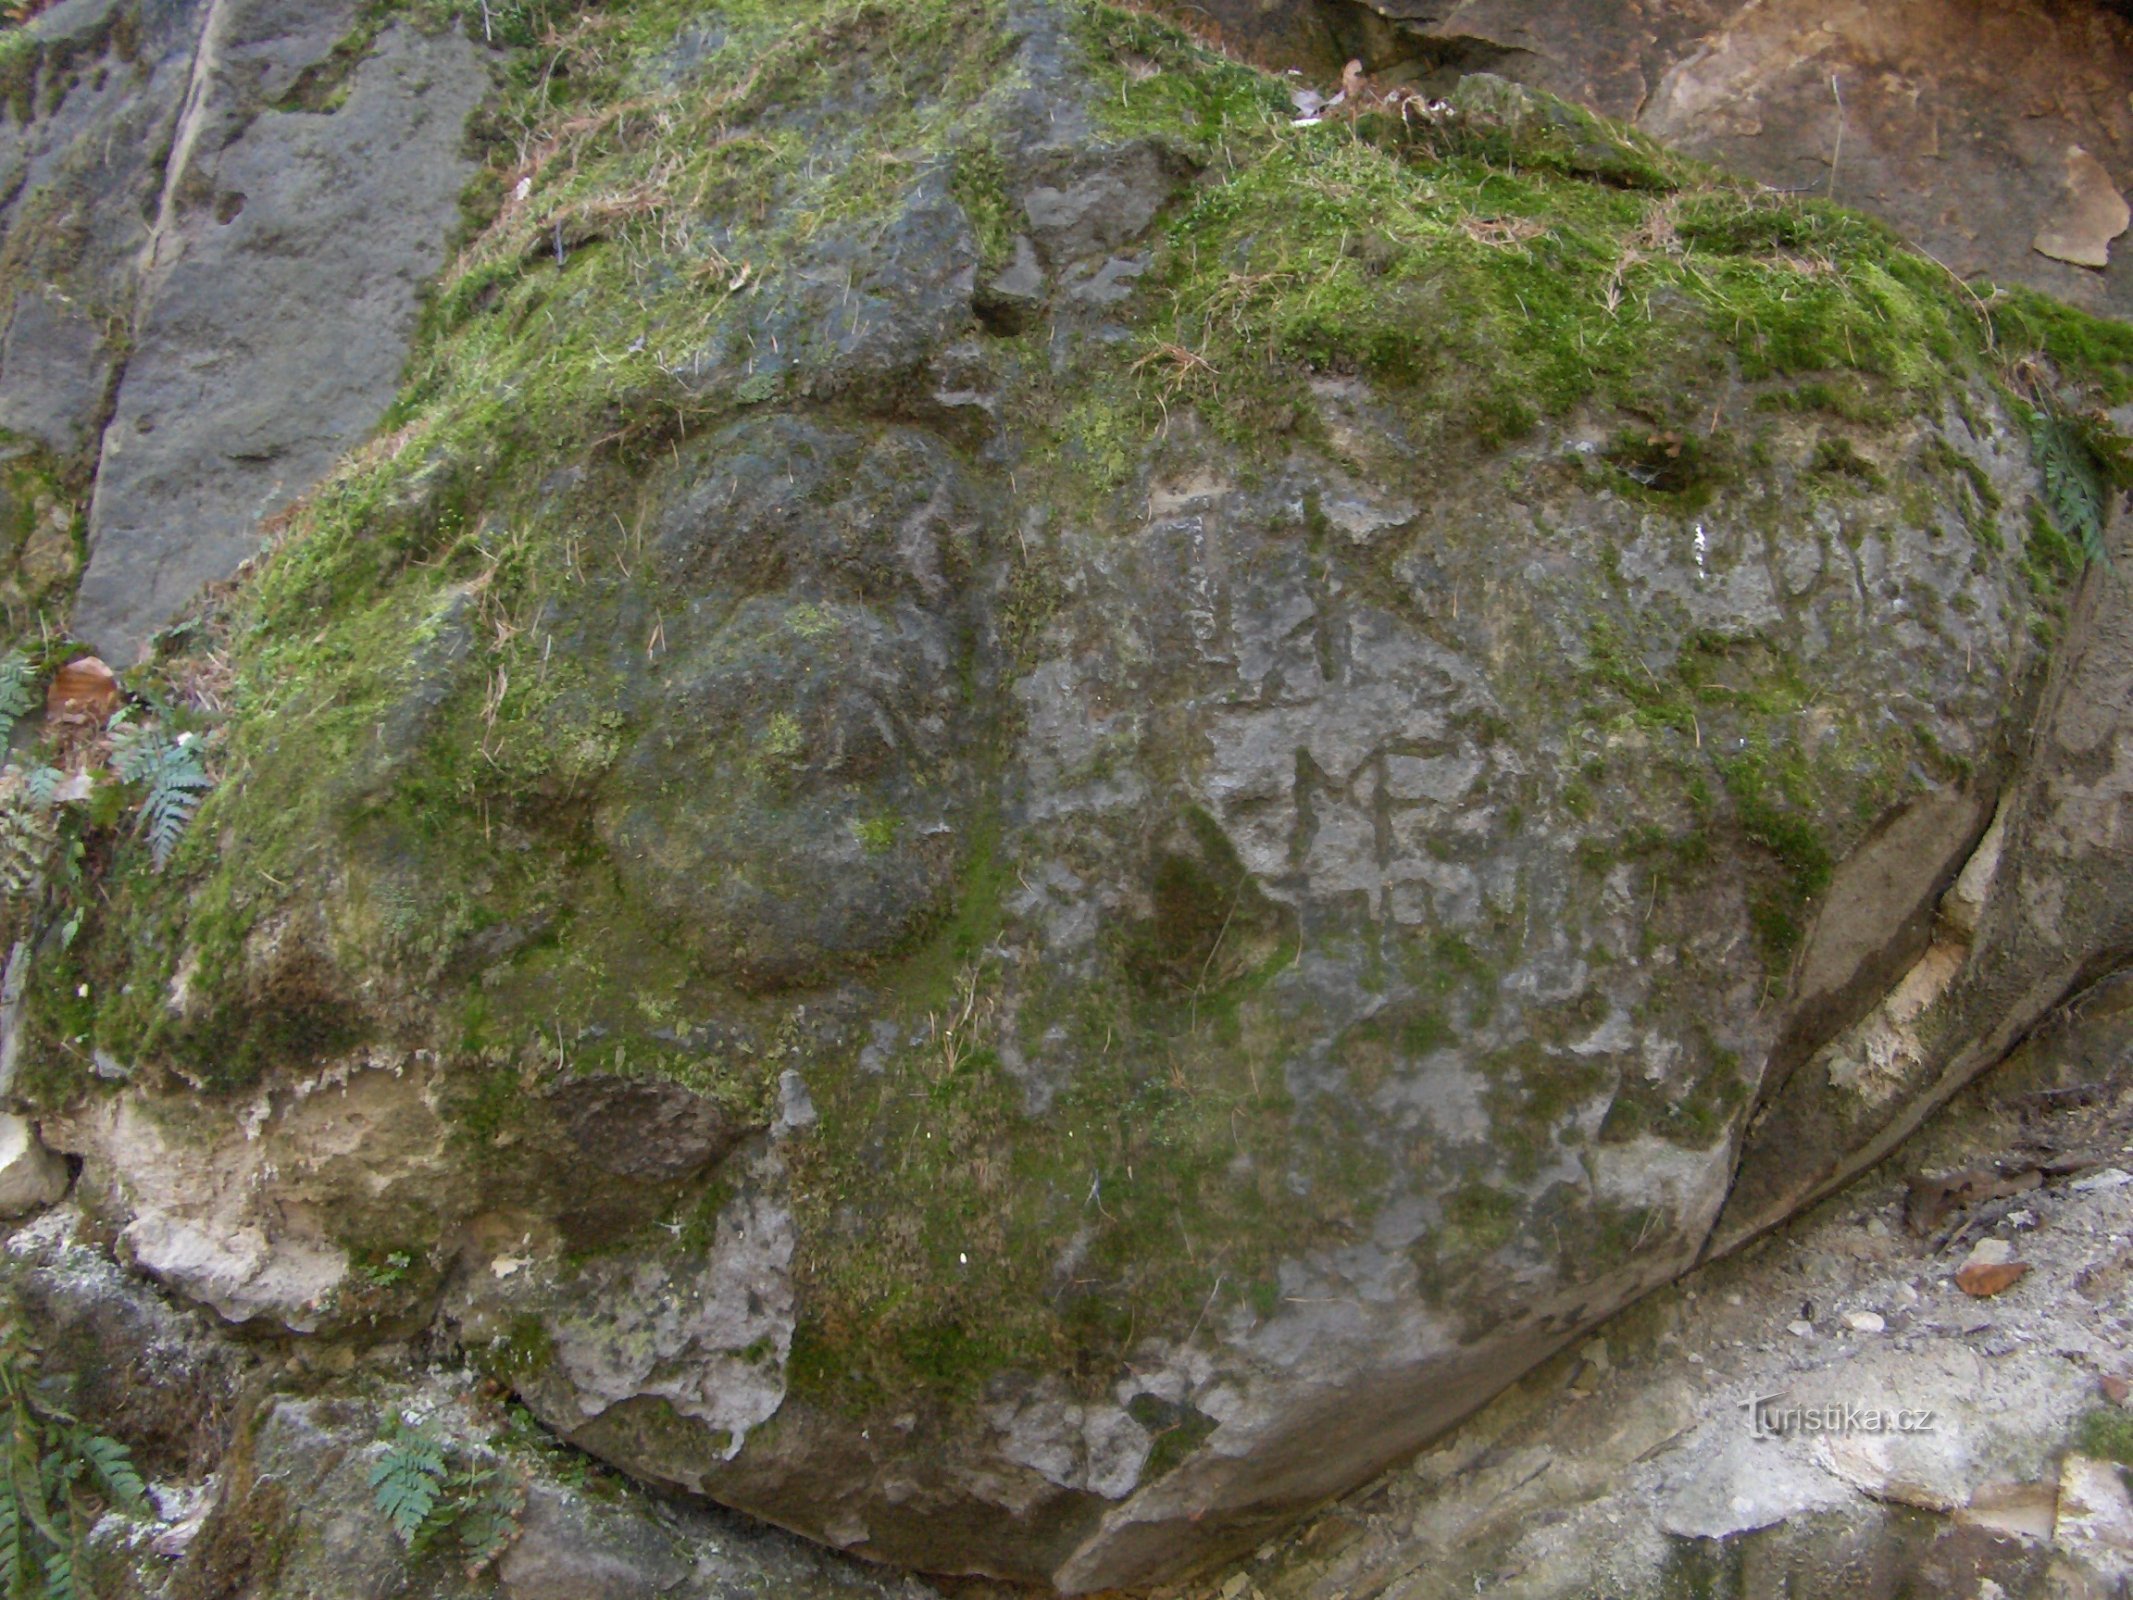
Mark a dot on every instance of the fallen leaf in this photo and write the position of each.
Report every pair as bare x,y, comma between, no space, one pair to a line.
1982,1280
84,690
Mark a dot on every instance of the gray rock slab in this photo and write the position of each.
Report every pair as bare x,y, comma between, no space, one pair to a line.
277,325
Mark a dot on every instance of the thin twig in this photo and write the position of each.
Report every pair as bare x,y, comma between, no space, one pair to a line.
1836,155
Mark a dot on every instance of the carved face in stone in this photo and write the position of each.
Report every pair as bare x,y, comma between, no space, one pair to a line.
792,799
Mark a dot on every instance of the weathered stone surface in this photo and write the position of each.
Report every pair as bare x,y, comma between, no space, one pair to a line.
82,177
1942,1438
368,1150
52,374
2049,908
226,276
841,809
151,1372
298,1518
278,297
268,1491
30,1175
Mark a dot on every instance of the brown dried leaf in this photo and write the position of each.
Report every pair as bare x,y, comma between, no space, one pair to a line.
84,690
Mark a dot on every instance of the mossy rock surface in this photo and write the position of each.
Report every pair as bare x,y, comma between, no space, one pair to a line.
1230,852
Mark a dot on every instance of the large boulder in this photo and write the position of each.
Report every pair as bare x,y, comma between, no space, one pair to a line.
1029,816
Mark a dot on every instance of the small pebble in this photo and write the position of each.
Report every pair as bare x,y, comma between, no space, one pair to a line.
1864,1321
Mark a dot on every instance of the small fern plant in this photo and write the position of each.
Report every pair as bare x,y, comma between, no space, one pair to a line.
432,1499
57,1473
408,1480
171,770
2077,479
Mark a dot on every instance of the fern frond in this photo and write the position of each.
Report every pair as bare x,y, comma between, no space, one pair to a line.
168,811
134,751
60,1579
16,1562
489,1523
25,845
114,1469
26,1482
175,774
17,685
408,1483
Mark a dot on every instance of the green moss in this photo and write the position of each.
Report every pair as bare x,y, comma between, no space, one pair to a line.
878,835
1376,1051
979,184
926,979
20,53
1530,1093
1173,1129
1155,81
1210,923
2106,1433
1836,456
1695,1116
1667,467
2051,562
1177,1431
1850,399
43,541
322,87
2093,352
1773,798
1478,1220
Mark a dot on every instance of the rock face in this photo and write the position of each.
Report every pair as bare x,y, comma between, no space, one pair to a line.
1953,1442
260,1477
1953,121
1028,816
30,1175
215,325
